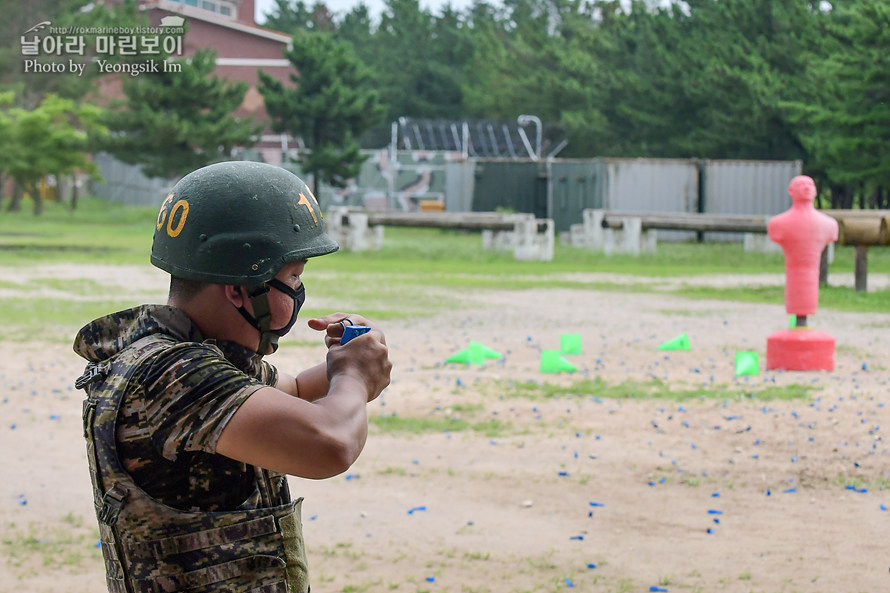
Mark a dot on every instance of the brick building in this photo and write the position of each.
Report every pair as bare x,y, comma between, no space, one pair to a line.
242,49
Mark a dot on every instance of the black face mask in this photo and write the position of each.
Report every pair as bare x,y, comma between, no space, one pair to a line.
260,304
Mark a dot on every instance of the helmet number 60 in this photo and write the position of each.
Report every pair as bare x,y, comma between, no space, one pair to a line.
180,206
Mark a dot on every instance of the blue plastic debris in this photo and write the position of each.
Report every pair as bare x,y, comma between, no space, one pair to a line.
883,508
415,509
657,590
577,537
597,504
714,512
591,565
569,582
431,579
352,476
789,491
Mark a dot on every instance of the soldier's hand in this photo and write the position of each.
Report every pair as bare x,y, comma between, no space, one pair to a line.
334,324
365,357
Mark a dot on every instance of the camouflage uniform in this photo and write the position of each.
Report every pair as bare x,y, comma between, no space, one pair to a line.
174,515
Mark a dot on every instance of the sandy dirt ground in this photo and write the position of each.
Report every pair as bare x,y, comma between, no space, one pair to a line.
570,493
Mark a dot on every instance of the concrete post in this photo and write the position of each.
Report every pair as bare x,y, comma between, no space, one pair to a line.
530,244
627,240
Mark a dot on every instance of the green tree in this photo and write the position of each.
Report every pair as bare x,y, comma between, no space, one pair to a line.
174,122
416,61
19,18
290,16
54,138
740,56
535,57
843,110
330,104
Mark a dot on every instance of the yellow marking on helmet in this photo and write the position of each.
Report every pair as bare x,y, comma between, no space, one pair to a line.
184,206
306,202
162,213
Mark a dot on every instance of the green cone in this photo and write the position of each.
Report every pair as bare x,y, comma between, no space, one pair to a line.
570,343
747,363
681,342
475,353
553,362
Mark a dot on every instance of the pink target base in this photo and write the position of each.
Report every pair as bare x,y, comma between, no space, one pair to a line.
800,350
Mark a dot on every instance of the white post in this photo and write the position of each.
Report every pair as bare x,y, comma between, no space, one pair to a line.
357,232
760,242
531,245
627,240
593,227
337,219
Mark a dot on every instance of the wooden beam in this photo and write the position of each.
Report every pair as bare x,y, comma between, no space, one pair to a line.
732,223
841,213
471,221
861,270
860,230
823,267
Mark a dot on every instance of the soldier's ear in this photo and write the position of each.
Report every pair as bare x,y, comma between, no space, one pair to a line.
235,295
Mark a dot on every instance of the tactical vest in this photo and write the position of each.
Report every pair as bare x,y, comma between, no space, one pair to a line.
150,547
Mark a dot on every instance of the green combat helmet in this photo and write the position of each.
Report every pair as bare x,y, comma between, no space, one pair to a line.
239,223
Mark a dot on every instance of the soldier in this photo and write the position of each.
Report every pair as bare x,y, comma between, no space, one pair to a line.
190,433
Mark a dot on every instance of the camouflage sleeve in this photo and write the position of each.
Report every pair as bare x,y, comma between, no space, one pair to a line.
192,392
270,375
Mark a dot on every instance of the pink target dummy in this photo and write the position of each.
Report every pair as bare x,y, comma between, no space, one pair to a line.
803,233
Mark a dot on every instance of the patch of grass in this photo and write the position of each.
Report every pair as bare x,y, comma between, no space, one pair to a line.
50,318
830,297
652,389
846,481
401,279
469,409
417,426
393,471
98,231
50,546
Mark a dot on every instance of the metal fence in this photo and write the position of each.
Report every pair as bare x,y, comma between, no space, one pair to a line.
560,189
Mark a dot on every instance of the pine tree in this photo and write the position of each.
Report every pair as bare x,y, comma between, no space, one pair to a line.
175,122
329,105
